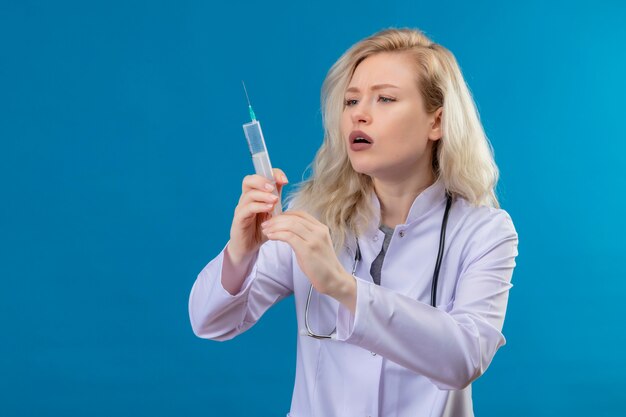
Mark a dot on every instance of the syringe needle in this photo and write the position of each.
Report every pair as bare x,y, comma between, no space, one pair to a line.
252,116
245,91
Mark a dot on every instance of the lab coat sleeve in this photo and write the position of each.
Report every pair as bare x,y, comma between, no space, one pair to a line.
451,348
216,314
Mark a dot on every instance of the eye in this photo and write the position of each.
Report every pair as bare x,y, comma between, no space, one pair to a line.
386,99
349,101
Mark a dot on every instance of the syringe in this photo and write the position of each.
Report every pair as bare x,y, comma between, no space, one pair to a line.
260,157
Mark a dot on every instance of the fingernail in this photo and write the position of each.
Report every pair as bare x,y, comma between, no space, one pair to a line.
284,178
269,187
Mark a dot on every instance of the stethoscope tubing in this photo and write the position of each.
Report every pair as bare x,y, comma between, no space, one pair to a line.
357,258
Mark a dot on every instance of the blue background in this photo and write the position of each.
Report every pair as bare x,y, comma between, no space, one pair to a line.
121,162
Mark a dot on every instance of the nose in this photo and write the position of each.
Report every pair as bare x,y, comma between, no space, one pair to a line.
360,113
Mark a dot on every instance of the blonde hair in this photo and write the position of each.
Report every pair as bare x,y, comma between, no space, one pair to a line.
338,196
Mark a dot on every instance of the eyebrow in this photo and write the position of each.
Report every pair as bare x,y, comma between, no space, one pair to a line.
374,87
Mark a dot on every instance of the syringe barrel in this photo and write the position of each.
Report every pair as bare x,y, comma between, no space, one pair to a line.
260,157
254,135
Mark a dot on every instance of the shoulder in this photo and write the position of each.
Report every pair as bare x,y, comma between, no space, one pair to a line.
483,229
483,218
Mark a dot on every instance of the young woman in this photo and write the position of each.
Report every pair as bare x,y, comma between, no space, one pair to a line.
396,250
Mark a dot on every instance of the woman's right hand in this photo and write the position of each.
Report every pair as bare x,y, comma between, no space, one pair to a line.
255,206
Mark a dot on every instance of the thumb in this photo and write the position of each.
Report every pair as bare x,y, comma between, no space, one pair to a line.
281,179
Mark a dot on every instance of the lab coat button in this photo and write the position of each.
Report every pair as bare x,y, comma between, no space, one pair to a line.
375,238
373,353
401,233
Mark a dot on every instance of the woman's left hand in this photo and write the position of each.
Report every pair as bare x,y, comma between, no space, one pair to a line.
311,242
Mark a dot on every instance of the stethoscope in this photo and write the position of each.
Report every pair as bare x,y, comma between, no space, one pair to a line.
357,258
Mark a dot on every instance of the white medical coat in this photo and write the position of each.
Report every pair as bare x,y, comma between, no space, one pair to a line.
396,355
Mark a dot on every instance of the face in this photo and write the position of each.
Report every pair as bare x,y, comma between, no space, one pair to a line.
383,101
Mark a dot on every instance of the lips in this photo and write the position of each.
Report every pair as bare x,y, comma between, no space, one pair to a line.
358,136
360,141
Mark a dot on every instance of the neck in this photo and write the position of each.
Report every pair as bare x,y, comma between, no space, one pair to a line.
397,197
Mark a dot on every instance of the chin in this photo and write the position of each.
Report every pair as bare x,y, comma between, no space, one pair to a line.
362,168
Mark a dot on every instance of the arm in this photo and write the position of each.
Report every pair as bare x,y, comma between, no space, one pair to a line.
450,348
235,270
217,314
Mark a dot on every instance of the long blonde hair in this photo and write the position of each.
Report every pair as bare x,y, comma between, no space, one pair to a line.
338,196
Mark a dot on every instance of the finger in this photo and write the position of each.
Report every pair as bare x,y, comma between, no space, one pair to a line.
256,196
256,182
315,226
296,227
252,209
295,241
311,222
281,180
286,221
280,176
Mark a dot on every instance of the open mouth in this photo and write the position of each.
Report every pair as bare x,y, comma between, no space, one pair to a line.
358,136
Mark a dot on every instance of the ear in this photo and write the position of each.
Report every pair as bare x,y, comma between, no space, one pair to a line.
435,125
